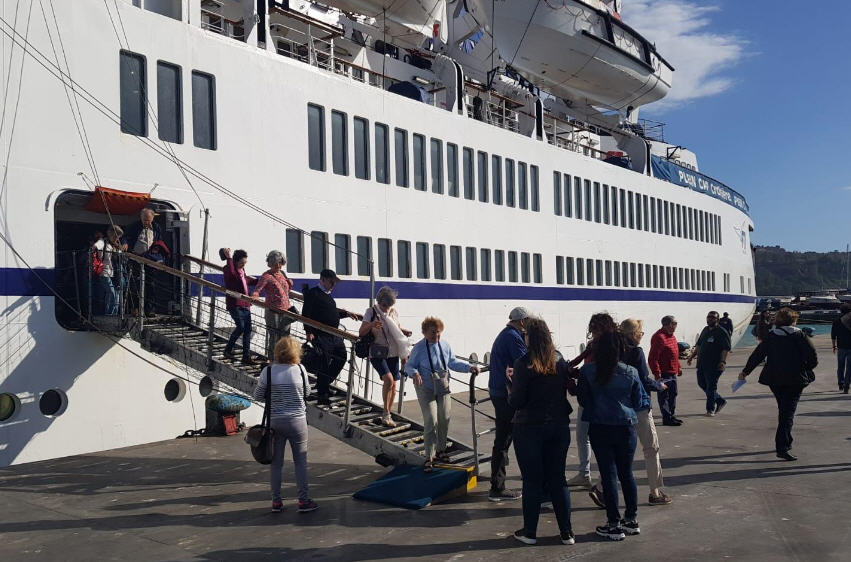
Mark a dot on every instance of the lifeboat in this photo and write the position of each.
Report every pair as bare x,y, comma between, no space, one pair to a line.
425,17
576,50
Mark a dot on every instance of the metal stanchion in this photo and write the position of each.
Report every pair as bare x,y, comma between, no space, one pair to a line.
121,287
349,389
141,296
473,403
211,337
77,284
89,311
401,394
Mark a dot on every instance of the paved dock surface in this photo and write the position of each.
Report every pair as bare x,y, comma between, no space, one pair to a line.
203,499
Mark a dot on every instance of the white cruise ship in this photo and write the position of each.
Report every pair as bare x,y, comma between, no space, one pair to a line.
481,155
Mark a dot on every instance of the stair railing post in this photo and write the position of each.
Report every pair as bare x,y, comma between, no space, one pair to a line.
204,243
401,394
211,337
473,402
141,296
349,388
77,285
89,276
120,277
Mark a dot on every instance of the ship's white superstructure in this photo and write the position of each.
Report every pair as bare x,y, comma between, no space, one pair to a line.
469,202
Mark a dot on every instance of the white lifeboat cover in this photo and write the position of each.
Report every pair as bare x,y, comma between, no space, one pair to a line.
416,15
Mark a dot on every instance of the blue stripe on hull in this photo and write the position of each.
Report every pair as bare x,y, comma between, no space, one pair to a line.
23,282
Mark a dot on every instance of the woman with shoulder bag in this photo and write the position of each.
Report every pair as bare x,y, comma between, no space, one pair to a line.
389,346
429,365
287,410
541,433
789,362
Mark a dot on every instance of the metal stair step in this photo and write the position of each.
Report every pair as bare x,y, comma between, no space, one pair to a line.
394,430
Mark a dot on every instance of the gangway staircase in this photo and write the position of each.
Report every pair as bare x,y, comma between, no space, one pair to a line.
350,418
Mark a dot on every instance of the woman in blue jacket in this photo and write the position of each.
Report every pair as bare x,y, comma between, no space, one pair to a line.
610,392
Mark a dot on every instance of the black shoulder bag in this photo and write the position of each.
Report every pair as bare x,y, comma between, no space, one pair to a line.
363,345
261,438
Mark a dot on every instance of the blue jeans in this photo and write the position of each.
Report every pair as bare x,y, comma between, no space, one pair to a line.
614,447
541,452
707,380
668,398
242,319
106,299
843,366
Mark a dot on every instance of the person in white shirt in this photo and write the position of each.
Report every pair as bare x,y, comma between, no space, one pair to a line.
390,347
105,296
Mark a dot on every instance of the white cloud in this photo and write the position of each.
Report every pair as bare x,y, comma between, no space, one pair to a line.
681,30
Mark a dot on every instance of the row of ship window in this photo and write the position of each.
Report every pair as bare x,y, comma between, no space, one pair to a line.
490,178
480,176
134,102
422,260
419,260
609,273
601,203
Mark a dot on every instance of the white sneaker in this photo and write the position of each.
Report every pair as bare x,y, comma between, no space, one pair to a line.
580,481
387,420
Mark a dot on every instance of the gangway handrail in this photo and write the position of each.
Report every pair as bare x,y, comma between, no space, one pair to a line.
255,302
293,294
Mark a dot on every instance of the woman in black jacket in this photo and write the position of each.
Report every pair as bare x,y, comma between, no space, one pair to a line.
790,360
541,430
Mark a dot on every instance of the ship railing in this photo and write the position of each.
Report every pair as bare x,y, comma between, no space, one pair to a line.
303,45
213,19
571,135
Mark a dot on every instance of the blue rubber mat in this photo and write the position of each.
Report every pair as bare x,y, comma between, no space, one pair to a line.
409,487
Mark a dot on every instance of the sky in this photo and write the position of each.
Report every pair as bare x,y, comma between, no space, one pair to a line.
762,95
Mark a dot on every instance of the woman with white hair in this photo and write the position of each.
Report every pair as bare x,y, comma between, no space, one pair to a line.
277,286
389,348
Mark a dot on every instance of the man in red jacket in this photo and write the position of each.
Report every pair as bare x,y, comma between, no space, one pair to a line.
664,363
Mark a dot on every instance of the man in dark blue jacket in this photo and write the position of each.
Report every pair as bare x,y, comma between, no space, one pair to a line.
508,347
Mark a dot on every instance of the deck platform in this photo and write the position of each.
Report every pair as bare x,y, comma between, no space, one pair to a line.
203,499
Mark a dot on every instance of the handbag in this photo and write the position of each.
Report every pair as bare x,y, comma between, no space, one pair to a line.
379,350
440,378
364,343
261,438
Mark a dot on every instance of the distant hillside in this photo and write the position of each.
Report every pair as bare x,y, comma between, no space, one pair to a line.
779,272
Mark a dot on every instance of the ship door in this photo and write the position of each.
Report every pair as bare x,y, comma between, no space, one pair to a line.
81,218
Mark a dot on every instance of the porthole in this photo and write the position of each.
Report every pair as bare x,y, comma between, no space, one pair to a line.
174,390
206,386
9,406
53,402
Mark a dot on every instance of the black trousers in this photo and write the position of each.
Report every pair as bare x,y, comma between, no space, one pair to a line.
501,441
787,402
668,398
334,351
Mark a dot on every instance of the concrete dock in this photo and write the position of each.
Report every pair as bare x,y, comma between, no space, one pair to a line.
204,499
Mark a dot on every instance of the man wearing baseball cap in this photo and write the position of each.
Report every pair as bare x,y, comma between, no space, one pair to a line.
508,347
319,305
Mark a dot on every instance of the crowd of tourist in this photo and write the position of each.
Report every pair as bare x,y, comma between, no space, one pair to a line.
530,384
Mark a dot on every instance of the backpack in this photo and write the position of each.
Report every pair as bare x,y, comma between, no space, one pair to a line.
97,262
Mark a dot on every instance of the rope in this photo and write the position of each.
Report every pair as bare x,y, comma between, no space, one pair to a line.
165,144
80,126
